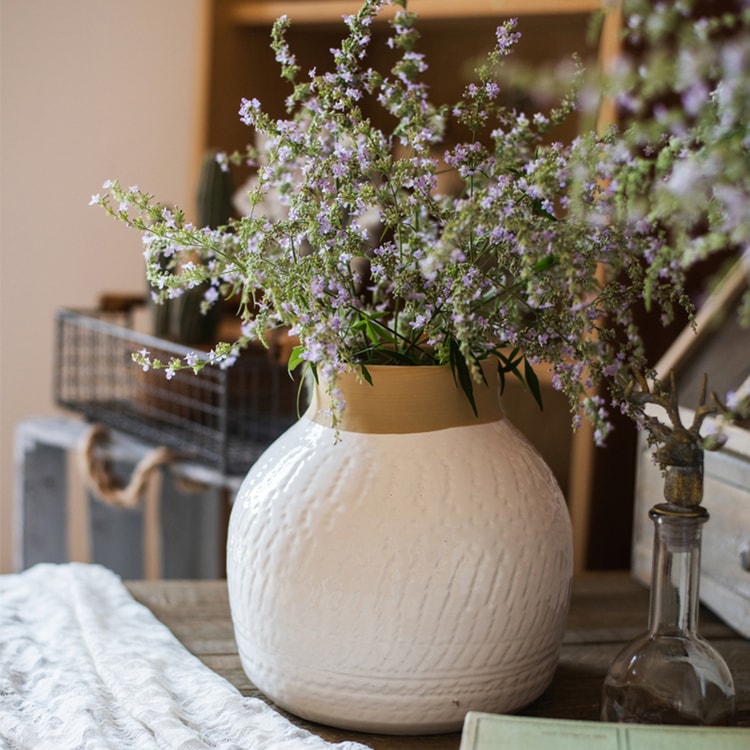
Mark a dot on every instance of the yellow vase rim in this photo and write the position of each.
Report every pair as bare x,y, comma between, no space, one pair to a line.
406,399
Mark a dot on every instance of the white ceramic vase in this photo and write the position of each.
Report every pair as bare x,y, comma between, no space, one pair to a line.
409,569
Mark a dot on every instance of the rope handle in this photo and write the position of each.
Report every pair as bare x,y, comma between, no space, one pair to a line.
97,472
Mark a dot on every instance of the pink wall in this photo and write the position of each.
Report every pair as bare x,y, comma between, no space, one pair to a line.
90,90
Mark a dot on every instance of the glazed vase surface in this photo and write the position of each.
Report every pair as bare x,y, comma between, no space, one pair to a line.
390,581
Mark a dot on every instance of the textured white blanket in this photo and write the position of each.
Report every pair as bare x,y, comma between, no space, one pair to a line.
83,666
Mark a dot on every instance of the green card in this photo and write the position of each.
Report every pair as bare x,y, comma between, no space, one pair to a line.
498,732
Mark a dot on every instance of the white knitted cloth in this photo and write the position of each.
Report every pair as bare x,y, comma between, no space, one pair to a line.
83,666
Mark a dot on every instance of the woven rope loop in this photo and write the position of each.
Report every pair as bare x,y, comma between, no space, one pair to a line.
97,471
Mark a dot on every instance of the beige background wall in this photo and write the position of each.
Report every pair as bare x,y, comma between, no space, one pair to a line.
90,90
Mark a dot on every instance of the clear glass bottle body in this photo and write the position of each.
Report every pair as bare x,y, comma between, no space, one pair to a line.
670,675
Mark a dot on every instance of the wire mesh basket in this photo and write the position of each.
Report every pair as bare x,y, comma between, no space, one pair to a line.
222,418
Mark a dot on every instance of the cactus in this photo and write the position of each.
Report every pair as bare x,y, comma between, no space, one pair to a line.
214,199
181,319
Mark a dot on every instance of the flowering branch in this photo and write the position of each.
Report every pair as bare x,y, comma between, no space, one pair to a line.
539,256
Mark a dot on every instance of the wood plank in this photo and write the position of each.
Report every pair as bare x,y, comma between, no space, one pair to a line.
327,11
607,610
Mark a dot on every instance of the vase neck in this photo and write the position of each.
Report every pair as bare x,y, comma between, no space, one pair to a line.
404,399
676,573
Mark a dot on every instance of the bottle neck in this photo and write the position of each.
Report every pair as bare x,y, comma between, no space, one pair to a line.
676,571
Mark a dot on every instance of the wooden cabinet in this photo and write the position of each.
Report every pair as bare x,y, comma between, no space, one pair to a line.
454,37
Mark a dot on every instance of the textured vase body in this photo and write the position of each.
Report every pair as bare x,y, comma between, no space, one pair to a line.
393,580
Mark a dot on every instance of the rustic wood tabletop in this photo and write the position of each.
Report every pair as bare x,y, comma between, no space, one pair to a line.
607,610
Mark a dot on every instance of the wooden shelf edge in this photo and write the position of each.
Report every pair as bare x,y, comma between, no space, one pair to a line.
264,13
715,307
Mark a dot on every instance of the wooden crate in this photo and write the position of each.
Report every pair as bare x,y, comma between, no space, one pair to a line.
720,347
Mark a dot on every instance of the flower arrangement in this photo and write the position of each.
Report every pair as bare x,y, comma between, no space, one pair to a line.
539,257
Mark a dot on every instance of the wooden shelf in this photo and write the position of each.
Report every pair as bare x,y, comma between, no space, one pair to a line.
239,64
262,13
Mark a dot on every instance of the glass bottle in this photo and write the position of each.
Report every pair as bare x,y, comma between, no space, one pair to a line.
670,675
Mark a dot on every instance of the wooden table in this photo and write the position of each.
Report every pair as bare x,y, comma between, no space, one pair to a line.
607,610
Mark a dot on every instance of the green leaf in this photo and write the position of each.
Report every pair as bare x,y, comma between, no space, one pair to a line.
295,359
533,382
501,373
372,331
366,374
537,206
510,362
460,368
300,391
545,263
379,355
376,332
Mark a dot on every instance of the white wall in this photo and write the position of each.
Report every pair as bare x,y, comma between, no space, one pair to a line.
90,90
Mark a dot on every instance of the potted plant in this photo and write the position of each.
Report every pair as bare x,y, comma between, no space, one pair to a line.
387,574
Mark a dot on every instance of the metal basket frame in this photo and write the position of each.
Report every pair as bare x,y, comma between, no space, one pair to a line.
222,418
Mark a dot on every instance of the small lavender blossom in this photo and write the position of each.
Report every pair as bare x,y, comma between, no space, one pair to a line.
539,243
143,358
